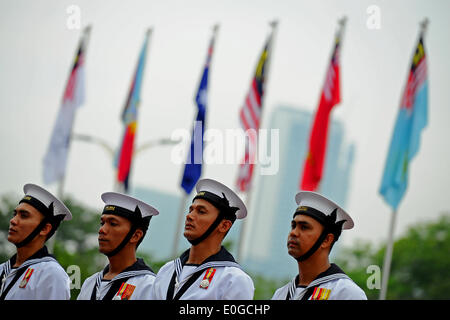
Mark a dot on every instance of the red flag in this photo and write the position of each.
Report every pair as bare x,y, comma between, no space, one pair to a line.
313,166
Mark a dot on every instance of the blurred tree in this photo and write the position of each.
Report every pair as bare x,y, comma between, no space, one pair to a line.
264,287
420,266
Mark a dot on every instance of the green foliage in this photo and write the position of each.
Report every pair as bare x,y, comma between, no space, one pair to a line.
265,288
354,261
421,262
152,263
420,267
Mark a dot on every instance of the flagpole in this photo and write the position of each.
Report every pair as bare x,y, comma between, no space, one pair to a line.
184,194
390,244
248,198
179,224
388,257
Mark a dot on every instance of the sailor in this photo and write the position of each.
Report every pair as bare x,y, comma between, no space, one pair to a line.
32,273
316,225
206,271
124,223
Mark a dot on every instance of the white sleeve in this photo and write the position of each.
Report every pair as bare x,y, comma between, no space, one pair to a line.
239,286
280,293
54,284
87,287
144,288
346,289
161,282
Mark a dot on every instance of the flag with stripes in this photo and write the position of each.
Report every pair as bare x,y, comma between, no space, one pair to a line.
250,117
330,96
124,155
55,159
412,118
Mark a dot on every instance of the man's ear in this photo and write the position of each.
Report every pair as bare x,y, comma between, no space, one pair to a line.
46,229
328,242
138,234
225,225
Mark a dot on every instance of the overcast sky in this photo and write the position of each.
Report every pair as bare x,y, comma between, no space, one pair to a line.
37,50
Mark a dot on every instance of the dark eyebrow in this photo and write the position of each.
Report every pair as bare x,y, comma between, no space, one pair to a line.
21,211
199,206
305,223
111,218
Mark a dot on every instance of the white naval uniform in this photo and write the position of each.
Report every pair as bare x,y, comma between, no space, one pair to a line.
43,278
227,281
335,285
137,280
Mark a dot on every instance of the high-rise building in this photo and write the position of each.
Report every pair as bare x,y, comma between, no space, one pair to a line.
272,201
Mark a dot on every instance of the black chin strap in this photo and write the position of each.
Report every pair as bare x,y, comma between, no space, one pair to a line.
330,226
33,233
48,218
137,222
123,243
225,212
314,248
211,228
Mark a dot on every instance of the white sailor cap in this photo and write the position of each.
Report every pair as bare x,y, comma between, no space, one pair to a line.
321,208
221,197
128,207
45,202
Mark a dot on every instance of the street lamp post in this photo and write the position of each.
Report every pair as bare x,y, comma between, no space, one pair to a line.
111,152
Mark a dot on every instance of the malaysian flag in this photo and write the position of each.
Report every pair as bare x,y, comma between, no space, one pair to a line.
250,117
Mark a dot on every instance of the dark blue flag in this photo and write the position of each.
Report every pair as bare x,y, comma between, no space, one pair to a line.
193,167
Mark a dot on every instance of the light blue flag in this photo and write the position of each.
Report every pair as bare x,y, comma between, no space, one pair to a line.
411,119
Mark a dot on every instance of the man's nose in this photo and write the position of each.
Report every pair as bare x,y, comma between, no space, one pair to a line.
13,220
102,229
293,233
189,216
